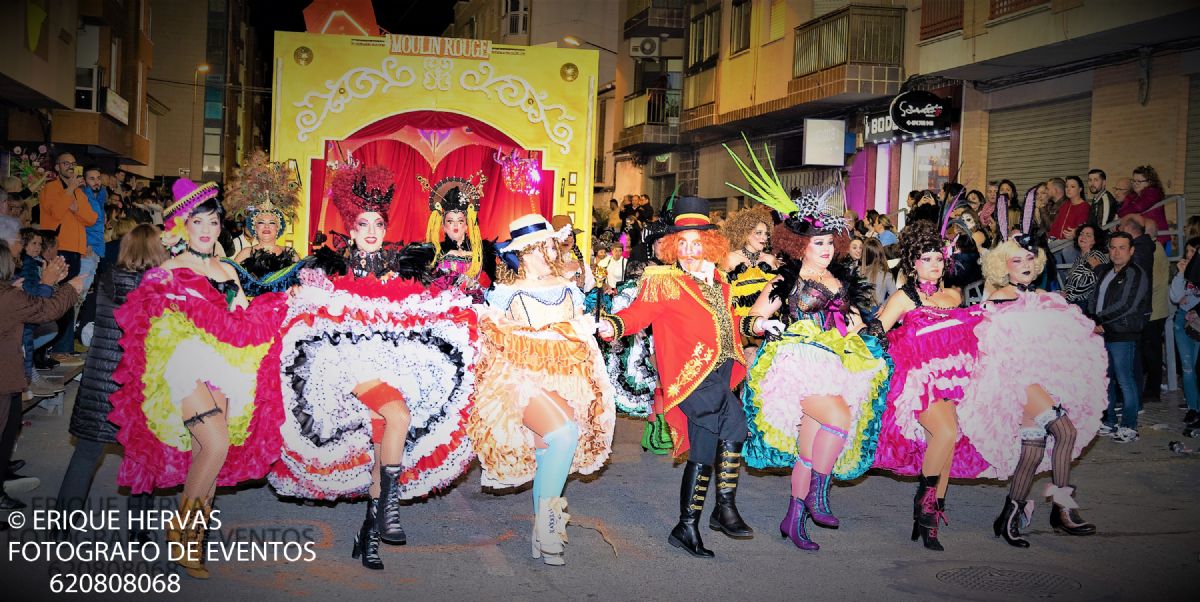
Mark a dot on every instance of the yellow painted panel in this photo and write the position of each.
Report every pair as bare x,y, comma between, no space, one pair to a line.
327,87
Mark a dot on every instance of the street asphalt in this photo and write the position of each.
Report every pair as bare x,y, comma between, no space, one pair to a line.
468,544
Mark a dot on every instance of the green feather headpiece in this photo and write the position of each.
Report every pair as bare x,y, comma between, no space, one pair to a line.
768,190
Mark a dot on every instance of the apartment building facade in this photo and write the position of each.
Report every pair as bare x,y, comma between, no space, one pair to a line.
1058,87
75,76
213,86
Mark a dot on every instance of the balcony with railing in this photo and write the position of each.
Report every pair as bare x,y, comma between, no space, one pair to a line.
1000,8
654,17
940,17
651,119
855,53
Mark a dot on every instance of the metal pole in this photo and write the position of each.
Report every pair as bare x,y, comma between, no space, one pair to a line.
192,125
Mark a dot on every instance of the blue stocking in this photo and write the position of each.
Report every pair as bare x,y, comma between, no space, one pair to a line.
554,462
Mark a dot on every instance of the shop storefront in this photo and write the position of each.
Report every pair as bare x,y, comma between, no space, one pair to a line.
910,146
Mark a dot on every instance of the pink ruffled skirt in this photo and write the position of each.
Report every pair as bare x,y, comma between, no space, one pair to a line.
1038,339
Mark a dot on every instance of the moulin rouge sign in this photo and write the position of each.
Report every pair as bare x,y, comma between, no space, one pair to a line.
919,112
451,48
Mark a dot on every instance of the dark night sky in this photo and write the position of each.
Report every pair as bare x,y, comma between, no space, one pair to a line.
422,17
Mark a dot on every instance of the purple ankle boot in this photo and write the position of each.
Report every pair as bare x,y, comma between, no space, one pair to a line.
793,525
817,501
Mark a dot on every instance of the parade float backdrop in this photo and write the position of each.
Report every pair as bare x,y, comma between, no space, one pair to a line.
522,117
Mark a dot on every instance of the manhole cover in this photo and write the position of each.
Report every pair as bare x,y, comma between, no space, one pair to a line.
1034,584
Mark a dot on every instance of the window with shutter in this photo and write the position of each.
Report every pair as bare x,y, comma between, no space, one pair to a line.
776,16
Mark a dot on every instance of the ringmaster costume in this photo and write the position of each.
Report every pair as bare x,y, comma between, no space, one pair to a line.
698,352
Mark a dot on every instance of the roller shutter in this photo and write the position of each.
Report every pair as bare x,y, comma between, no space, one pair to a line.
1036,143
1191,174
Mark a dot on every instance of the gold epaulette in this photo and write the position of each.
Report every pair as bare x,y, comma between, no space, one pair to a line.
659,282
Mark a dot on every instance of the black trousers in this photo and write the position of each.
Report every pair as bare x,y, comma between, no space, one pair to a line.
64,342
714,414
10,429
1150,348
81,470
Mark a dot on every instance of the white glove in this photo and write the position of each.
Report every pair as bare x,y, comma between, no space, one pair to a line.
605,330
772,327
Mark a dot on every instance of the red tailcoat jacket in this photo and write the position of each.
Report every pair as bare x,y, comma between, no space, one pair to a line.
686,341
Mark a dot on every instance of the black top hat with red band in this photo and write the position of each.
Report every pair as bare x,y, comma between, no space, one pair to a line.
691,213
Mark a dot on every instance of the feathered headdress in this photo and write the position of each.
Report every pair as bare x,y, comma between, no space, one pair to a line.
809,215
455,194
358,190
768,190
261,185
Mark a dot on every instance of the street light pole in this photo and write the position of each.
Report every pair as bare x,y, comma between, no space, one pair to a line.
577,42
201,68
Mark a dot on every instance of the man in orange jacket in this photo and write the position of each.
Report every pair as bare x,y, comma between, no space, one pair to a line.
698,351
65,208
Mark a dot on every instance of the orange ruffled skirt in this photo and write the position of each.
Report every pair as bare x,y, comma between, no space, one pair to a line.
518,363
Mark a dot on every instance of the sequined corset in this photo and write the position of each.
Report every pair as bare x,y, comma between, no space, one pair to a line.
716,301
375,263
228,288
812,300
454,264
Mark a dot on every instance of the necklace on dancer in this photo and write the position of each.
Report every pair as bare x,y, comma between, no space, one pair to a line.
751,255
818,276
1025,288
928,288
204,256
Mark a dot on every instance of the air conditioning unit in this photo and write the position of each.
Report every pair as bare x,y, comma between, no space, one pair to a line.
644,47
663,164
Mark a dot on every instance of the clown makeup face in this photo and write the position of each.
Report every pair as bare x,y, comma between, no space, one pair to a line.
454,224
691,250
856,247
202,231
266,227
930,266
1020,267
368,231
757,241
819,252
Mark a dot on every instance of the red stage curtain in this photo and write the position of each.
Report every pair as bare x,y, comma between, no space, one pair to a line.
410,209
317,196
433,120
499,205
410,204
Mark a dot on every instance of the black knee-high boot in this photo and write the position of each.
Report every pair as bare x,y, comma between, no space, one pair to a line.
387,515
366,542
725,517
692,493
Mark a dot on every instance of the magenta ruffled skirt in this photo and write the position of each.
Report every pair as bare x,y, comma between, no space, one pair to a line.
935,352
